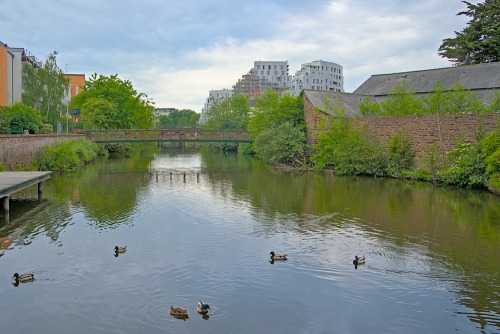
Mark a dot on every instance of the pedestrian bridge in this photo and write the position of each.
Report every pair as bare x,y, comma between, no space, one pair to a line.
167,135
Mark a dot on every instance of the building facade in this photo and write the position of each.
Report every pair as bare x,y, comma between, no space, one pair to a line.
76,84
11,73
163,111
275,72
318,75
213,96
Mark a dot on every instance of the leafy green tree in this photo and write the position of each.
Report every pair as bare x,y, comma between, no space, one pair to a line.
45,88
278,128
134,110
20,117
402,101
479,42
184,118
368,107
455,100
100,112
282,145
494,103
229,114
273,109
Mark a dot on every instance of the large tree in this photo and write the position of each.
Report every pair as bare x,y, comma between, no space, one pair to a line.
116,103
479,42
185,118
45,88
229,114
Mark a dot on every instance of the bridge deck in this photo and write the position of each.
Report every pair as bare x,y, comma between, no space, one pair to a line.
10,182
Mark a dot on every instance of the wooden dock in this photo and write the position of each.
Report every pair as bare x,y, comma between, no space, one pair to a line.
10,182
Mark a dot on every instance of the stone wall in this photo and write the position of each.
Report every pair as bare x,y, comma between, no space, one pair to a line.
19,150
423,130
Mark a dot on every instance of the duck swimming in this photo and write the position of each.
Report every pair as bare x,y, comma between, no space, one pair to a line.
121,249
178,312
358,260
278,257
24,277
202,308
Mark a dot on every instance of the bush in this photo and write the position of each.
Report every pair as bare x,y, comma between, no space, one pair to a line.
466,166
46,129
401,156
491,149
349,152
283,145
68,155
20,117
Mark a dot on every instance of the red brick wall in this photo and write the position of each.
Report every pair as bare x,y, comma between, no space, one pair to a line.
423,130
18,150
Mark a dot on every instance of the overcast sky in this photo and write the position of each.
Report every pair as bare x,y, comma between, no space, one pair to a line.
176,51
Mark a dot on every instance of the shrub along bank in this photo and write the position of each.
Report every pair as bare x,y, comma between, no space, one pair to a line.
69,155
349,151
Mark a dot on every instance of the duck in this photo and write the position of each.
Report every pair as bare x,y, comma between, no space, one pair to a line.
358,260
202,308
24,277
178,312
278,257
121,249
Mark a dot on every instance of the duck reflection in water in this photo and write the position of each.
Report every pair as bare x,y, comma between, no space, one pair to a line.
24,278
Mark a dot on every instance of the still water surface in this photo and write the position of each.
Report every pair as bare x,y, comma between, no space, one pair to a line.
201,226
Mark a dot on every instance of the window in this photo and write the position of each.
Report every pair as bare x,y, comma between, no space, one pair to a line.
269,72
282,67
275,72
275,67
268,67
258,67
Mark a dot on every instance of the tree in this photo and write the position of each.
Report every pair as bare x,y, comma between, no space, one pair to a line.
229,114
19,117
278,128
185,118
45,88
273,109
100,112
131,110
479,42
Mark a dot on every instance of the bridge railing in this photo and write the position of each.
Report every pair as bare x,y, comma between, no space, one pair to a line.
167,135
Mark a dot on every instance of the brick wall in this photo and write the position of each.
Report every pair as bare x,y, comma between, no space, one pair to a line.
423,130
18,150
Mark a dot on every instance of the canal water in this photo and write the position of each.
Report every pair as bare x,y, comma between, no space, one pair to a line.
200,226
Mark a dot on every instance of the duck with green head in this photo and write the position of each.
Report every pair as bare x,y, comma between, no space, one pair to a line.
202,308
24,277
277,257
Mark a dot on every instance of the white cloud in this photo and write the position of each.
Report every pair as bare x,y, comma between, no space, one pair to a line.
176,54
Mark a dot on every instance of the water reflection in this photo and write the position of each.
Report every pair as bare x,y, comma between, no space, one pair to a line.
202,225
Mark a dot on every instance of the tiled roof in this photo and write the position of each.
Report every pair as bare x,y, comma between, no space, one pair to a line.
473,77
348,101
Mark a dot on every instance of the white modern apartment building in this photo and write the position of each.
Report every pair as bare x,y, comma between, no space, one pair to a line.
213,96
318,75
273,71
